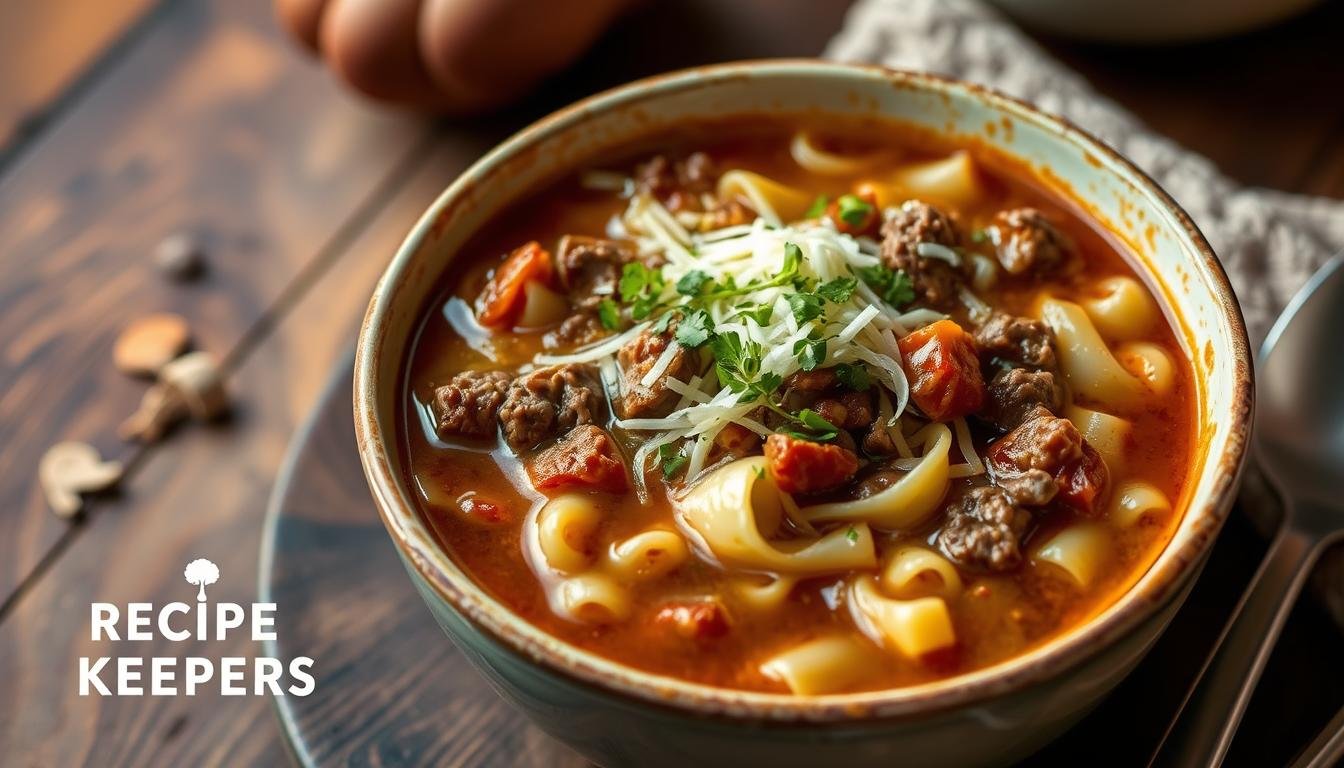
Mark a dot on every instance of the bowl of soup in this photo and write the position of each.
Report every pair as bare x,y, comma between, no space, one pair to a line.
803,413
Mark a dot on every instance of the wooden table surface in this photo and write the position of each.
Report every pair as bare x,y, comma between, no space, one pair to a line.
127,120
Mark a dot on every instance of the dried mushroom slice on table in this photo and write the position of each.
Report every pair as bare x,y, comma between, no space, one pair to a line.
71,468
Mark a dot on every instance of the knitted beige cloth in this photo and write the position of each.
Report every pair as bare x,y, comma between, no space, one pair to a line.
1270,242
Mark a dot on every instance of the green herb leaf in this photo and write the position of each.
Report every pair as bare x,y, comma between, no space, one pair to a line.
693,282
793,258
635,278
695,329
852,535
805,306
736,365
761,313
817,208
664,320
839,290
979,236
814,421
609,314
641,288
853,209
893,285
810,353
670,459
854,377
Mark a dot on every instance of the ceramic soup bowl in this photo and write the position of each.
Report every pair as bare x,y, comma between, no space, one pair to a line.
617,715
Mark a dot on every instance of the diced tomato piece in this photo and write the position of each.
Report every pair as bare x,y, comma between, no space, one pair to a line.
698,620
482,510
502,298
944,371
587,457
1082,481
802,466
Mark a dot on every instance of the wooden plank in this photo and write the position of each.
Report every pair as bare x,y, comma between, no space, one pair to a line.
203,498
212,124
46,47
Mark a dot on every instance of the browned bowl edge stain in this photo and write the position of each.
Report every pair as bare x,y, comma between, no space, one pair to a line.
1164,581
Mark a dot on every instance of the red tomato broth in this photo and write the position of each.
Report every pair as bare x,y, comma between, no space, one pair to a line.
996,617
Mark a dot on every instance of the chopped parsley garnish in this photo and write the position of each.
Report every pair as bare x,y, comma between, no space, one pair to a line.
814,427
641,288
854,377
810,353
737,364
852,534
693,282
761,313
979,236
670,459
853,209
609,314
695,329
804,306
817,208
839,290
892,285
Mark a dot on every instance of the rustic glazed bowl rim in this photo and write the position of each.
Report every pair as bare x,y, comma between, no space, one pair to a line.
1161,583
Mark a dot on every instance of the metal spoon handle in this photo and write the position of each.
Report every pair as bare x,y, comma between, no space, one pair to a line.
1205,725
1327,748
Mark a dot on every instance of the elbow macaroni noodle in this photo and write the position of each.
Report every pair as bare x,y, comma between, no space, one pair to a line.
1134,500
825,665
734,510
907,502
1122,310
1087,362
1081,550
914,628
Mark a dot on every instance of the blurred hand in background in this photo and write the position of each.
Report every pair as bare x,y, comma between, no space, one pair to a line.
459,56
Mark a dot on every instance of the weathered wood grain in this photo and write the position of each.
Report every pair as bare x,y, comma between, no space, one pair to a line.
203,498
214,125
46,47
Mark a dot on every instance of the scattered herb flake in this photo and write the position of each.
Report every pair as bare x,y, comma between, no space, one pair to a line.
853,210
793,258
893,285
670,459
805,306
852,535
693,282
839,290
811,353
817,208
761,313
696,328
609,314
979,236
854,377
661,324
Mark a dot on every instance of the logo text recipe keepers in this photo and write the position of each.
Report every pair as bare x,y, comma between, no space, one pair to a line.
178,622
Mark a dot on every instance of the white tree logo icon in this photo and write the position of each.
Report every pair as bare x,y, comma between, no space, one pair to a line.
201,572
